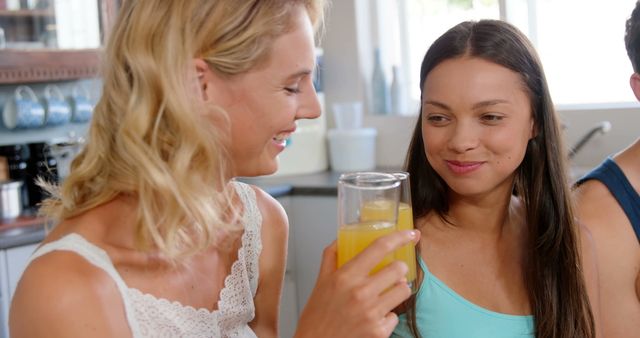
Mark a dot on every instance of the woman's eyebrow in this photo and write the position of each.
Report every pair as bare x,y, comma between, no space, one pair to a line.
436,103
299,74
488,103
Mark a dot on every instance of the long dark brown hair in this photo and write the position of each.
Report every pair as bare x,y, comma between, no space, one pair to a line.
553,273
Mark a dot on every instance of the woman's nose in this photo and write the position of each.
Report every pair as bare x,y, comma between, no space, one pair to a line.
464,137
310,106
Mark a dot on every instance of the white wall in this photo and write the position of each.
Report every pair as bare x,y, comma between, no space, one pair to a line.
343,76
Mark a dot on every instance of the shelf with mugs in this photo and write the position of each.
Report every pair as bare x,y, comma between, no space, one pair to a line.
24,109
51,114
60,41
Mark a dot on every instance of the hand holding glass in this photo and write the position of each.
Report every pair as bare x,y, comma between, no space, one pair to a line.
406,253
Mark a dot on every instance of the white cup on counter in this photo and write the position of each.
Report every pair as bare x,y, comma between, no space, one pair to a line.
348,115
352,149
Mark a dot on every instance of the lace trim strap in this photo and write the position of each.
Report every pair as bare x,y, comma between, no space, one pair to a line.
252,238
93,254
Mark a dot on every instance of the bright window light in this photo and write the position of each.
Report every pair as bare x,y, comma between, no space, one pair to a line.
580,42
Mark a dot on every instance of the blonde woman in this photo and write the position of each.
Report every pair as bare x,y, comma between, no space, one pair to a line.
154,237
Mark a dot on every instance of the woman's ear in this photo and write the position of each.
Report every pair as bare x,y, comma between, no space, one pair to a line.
202,74
634,81
214,88
533,130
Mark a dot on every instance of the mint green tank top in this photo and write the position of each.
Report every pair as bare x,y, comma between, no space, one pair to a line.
442,313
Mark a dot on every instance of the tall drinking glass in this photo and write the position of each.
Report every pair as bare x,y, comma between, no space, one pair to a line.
367,210
406,253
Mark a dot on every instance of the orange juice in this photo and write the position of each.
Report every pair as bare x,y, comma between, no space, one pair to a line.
377,210
383,209
353,238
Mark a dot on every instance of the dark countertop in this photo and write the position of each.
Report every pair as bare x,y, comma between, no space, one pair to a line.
317,184
35,235
322,183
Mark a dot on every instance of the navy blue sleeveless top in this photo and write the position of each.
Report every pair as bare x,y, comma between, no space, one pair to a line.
612,176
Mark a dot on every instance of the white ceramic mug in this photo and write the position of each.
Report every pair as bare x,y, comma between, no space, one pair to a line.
81,106
23,110
57,110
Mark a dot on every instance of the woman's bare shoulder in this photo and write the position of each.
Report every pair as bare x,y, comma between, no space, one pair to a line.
273,214
62,294
593,202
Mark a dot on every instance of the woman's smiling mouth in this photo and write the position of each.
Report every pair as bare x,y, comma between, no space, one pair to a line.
460,168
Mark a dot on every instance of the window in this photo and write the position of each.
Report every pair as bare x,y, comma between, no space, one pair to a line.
580,42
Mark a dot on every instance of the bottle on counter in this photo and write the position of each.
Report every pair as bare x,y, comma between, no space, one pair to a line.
318,79
380,89
398,93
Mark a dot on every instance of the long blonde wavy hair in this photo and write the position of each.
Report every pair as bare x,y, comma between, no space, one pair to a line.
151,137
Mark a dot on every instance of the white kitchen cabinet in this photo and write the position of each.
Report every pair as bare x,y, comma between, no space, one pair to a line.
314,222
12,264
288,307
312,226
288,304
4,290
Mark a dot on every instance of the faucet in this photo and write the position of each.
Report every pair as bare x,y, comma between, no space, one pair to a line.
602,127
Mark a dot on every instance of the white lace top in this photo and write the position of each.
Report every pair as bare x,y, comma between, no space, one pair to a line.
149,316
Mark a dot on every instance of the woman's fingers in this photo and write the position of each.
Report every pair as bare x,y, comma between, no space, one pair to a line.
388,276
390,285
329,259
388,323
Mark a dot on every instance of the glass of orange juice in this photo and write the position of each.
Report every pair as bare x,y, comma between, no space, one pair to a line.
406,253
367,210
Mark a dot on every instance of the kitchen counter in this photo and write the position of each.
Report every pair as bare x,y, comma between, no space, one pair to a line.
22,231
322,183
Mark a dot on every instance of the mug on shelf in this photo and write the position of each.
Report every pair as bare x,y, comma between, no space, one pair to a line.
56,109
23,110
81,106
